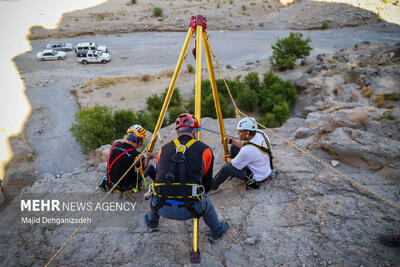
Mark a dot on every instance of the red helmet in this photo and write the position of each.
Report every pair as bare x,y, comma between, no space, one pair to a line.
186,120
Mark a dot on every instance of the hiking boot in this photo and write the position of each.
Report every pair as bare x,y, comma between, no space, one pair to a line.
152,230
225,227
390,241
252,184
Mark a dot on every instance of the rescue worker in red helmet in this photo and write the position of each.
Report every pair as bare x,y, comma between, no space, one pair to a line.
120,159
195,167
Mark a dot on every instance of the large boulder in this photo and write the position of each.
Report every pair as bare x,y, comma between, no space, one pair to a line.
360,148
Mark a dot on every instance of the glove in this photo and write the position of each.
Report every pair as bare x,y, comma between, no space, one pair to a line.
225,156
228,140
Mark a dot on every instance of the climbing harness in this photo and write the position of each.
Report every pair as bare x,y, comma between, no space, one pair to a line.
263,149
175,190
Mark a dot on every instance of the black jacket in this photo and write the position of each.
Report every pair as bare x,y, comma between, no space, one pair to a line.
199,162
122,164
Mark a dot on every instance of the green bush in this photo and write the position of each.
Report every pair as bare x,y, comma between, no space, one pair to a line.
173,113
93,128
247,100
286,50
325,24
269,120
124,119
157,11
252,81
154,102
133,1
176,99
190,68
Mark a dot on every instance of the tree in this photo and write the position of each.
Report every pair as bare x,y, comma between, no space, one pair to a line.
286,50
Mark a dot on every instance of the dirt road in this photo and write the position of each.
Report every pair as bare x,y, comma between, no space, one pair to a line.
53,106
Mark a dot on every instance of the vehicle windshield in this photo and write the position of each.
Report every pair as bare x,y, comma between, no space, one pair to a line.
54,52
99,53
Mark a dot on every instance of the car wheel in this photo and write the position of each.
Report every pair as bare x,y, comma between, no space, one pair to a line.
59,58
104,61
84,62
42,59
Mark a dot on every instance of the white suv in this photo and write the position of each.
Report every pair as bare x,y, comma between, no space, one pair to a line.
82,48
93,57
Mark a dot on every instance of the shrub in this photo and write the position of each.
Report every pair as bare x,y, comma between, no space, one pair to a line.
123,120
379,100
173,113
93,128
252,81
190,68
157,11
247,100
325,24
366,91
154,102
244,7
286,50
176,99
133,1
145,77
269,120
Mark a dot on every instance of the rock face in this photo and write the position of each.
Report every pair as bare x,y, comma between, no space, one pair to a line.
14,182
303,215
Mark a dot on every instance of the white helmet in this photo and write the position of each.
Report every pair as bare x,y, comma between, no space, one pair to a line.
247,124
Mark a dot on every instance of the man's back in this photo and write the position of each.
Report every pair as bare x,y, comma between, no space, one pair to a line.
199,162
122,163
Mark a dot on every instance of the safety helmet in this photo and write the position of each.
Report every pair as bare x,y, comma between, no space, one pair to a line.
186,120
136,133
248,124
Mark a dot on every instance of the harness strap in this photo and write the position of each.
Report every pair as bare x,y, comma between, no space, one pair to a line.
265,150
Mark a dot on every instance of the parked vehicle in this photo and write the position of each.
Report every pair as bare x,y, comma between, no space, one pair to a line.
51,54
60,46
93,57
82,48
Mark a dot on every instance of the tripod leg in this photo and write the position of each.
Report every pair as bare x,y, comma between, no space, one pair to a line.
171,89
215,91
195,253
197,88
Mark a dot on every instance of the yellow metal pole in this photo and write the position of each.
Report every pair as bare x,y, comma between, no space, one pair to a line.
215,91
197,114
170,89
197,90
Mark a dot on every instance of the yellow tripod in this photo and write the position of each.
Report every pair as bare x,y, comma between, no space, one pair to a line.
197,25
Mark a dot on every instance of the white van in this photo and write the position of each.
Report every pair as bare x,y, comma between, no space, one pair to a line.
82,48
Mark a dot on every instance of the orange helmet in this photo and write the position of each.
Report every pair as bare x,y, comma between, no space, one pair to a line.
136,133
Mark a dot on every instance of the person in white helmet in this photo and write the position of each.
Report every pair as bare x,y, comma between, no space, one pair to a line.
253,163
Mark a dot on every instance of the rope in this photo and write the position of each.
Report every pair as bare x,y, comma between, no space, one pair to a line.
94,210
239,112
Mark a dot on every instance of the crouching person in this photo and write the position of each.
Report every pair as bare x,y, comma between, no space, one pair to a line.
121,157
250,159
184,175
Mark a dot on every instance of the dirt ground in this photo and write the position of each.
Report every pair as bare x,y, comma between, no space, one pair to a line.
121,16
